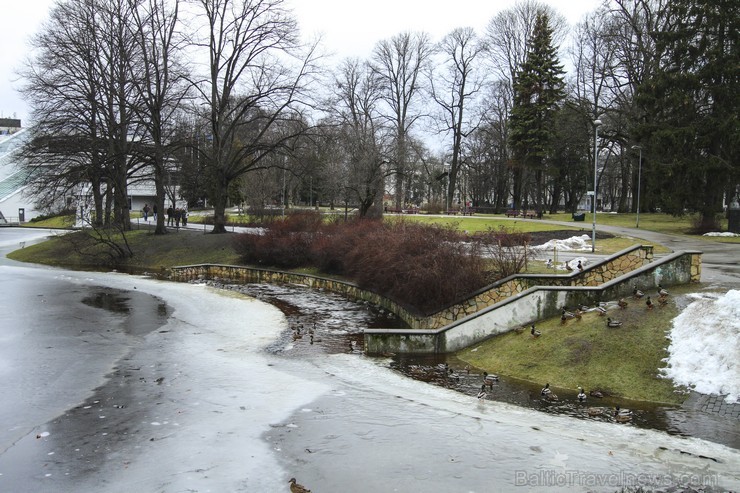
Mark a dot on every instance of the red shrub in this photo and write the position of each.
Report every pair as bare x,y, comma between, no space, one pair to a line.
421,266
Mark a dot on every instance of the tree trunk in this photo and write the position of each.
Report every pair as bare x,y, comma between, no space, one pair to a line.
219,201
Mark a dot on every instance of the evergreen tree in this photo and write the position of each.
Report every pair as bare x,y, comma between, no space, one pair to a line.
690,125
538,91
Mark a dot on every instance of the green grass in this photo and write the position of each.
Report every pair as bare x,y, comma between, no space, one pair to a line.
151,252
57,222
661,223
623,361
483,223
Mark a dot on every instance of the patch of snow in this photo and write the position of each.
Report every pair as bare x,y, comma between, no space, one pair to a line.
704,352
573,244
726,234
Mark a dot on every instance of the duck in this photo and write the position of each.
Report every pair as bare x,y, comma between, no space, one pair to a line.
581,394
297,335
622,415
578,314
601,310
595,411
662,301
662,291
482,393
297,488
520,330
622,303
565,316
637,293
489,380
315,339
548,264
649,303
596,393
547,393
613,323
580,266
568,267
535,332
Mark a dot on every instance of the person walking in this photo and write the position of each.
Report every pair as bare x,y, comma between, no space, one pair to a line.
170,215
146,212
154,211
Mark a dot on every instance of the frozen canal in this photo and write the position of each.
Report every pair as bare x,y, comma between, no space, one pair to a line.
117,383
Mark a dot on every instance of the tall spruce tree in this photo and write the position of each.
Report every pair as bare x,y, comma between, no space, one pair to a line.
538,91
690,126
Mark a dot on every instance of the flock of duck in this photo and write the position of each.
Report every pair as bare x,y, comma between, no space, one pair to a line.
619,415
601,310
299,332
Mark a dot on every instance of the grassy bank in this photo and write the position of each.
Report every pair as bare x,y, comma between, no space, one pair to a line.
151,252
623,361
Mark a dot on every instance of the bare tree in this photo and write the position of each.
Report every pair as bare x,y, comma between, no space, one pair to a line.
360,130
80,88
256,81
399,62
507,36
454,88
159,81
117,51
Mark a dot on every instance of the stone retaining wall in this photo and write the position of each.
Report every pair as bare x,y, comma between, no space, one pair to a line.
515,300
610,268
534,304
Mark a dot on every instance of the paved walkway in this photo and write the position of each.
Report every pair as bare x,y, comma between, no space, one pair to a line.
720,261
713,404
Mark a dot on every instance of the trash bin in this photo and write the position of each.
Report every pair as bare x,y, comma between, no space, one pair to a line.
579,216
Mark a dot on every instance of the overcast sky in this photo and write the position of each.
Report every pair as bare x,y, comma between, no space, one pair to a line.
348,28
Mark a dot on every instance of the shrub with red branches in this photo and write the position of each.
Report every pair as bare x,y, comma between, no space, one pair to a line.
421,266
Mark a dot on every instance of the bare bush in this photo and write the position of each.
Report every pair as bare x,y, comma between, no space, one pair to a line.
507,251
421,266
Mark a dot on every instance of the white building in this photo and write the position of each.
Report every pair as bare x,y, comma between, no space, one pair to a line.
16,206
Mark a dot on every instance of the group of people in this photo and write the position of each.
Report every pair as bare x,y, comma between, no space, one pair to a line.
175,215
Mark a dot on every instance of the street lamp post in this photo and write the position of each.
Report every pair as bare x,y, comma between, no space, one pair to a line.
639,177
447,187
596,165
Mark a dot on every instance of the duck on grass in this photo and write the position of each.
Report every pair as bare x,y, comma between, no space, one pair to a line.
623,358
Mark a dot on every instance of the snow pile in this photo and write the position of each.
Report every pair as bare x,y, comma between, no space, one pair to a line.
725,234
705,346
573,244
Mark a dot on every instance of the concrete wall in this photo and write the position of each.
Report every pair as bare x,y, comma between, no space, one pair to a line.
534,304
503,306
